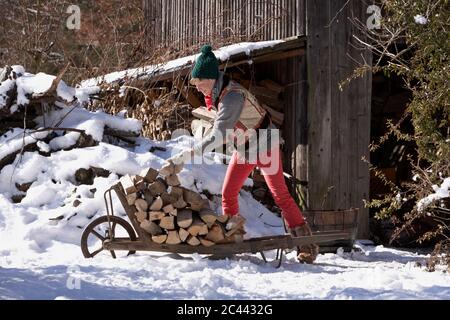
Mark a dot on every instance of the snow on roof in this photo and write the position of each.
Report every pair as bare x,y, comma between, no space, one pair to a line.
223,54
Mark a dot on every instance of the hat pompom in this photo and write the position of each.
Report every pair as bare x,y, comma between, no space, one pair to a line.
206,49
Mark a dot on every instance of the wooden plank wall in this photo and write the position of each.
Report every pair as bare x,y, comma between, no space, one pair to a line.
330,133
183,23
338,121
291,73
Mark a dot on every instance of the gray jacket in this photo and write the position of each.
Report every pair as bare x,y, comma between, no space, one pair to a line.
228,113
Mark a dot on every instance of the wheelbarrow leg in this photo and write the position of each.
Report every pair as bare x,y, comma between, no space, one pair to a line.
279,257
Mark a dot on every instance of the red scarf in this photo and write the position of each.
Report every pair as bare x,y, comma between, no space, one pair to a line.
209,102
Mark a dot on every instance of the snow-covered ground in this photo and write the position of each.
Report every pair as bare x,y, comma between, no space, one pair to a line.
40,256
60,272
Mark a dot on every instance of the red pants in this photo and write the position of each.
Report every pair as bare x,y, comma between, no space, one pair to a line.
235,177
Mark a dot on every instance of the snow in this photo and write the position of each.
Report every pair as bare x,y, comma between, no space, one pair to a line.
5,86
372,273
222,54
16,142
29,84
420,19
92,122
439,193
40,256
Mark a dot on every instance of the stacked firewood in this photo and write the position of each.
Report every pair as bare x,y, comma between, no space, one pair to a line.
172,214
269,94
160,107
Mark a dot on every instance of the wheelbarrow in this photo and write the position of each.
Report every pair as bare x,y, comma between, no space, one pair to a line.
133,238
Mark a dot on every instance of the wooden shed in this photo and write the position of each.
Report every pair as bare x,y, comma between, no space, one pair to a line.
327,131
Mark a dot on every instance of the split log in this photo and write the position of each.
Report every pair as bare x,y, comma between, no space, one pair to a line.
191,196
180,203
151,227
156,188
149,175
184,218
131,198
206,243
172,180
176,191
169,208
139,183
141,216
223,218
168,199
168,169
156,215
160,239
193,241
184,234
196,206
215,234
157,204
178,168
208,216
198,227
141,205
194,199
128,185
167,223
173,238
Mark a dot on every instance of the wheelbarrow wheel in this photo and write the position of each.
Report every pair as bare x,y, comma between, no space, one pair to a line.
98,230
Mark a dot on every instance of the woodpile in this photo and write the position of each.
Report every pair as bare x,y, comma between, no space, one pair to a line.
18,109
162,107
172,214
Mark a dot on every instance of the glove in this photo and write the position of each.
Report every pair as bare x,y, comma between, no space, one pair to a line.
182,157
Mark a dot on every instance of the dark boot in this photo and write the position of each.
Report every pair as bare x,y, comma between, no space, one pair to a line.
306,253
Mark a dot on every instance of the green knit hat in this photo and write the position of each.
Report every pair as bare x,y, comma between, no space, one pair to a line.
206,66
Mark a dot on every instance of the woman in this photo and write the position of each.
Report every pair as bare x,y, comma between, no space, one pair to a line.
239,111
